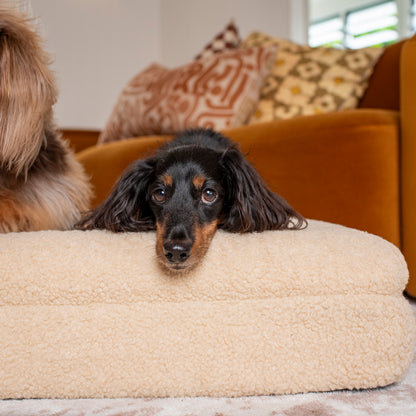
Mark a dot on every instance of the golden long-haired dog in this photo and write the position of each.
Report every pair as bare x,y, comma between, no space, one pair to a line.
42,186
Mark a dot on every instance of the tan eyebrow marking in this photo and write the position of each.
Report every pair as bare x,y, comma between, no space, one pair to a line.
198,181
167,180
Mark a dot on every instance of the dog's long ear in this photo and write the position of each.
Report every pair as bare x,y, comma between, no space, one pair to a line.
27,92
249,204
126,208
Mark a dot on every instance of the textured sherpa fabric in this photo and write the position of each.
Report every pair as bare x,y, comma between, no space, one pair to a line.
90,314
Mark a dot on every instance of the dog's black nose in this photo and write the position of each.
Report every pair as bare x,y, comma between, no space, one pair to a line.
177,252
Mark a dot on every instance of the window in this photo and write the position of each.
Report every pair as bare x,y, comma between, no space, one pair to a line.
328,32
355,26
372,26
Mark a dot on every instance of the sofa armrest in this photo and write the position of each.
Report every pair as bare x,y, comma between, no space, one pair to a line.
408,157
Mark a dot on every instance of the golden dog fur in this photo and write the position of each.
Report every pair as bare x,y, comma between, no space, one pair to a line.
42,186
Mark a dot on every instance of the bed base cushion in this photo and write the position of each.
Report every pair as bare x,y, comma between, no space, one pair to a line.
91,314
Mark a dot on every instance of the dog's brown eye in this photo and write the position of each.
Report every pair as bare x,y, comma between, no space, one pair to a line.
159,196
209,196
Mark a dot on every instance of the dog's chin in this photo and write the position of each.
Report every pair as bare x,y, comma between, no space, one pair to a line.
177,268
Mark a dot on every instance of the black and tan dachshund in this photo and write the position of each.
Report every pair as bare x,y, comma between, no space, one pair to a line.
192,186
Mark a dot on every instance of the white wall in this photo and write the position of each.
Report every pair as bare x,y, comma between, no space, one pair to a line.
187,25
98,45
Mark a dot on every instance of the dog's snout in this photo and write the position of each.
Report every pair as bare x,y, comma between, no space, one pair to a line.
178,233
177,252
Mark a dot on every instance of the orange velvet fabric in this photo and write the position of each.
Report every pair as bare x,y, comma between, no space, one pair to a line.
408,158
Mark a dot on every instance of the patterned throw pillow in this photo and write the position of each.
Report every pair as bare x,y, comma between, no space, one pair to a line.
306,80
227,40
217,92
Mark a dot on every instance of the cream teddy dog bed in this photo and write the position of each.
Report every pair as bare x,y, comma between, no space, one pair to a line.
89,314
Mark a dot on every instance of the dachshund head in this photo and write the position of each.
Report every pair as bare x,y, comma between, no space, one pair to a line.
194,185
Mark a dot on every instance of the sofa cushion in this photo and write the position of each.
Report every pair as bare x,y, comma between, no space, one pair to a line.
218,92
227,40
306,80
90,314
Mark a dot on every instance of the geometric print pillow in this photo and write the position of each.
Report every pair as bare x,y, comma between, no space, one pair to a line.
306,80
217,92
227,40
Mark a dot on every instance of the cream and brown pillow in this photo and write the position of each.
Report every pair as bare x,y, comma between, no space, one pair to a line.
306,80
218,92
225,41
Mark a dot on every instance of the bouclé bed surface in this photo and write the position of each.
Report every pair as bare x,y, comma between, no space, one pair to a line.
91,314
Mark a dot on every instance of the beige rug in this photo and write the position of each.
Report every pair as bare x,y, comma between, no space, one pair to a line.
395,400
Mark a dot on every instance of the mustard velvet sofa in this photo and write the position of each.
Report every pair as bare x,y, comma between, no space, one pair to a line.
356,167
